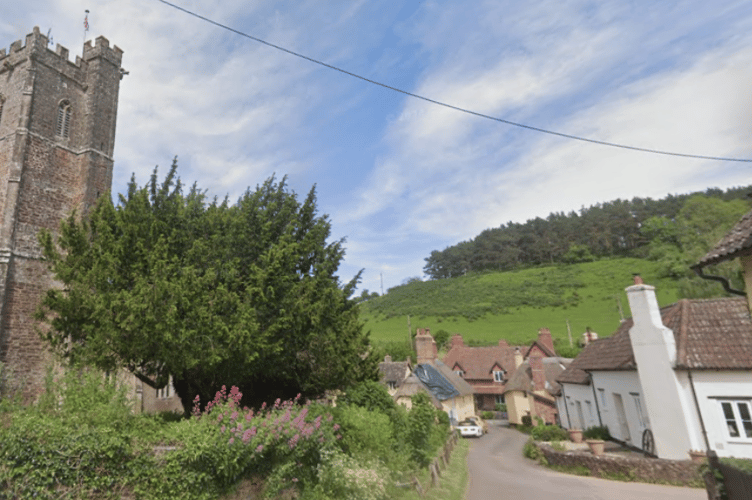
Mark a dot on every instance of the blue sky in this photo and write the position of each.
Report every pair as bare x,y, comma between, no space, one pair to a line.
400,177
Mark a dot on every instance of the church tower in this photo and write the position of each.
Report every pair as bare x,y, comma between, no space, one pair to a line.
57,135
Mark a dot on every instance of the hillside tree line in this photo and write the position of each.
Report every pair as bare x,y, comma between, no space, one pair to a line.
673,230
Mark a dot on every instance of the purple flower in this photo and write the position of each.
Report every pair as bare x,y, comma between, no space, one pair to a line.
232,440
260,448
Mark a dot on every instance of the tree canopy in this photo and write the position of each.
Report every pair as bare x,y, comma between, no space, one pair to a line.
609,229
168,284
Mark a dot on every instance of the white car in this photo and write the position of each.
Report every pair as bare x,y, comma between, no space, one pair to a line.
469,428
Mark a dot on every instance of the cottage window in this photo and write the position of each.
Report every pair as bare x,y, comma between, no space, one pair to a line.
392,385
738,418
602,393
638,408
167,391
460,373
499,399
498,376
62,127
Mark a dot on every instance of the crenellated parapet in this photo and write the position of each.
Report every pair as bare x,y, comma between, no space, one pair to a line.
36,46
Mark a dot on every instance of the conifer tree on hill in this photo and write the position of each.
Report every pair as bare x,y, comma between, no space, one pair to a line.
209,293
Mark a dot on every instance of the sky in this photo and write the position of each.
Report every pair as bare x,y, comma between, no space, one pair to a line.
398,176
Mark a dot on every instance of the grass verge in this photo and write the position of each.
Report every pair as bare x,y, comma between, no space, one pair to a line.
454,479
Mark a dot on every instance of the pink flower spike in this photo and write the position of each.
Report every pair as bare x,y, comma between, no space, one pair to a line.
260,448
232,440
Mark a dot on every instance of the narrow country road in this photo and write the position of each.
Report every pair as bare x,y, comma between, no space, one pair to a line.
499,471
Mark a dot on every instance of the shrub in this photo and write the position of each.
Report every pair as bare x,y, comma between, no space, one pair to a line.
342,476
500,407
487,415
597,432
370,395
531,451
549,433
421,418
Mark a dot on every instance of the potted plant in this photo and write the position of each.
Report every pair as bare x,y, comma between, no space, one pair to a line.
575,435
597,446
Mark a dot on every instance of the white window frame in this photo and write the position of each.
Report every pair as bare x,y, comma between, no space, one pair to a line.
743,425
500,400
167,391
639,410
498,375
604,403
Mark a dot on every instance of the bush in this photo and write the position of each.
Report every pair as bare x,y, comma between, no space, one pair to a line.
487,415
549,433
501,407
597,432
531,451
527,421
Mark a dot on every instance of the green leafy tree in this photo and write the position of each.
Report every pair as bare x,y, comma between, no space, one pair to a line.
167,284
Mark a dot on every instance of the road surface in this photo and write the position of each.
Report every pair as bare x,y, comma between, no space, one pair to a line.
499,471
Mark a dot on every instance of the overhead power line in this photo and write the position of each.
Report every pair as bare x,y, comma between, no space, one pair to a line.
450,106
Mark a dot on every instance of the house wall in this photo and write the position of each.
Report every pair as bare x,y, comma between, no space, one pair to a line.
517,406
625,384
543,409
711,388
570,417
459,408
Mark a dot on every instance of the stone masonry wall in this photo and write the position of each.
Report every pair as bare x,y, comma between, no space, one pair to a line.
654,470
44,177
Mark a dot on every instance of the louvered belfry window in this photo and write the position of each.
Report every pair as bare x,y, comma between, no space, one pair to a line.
62,128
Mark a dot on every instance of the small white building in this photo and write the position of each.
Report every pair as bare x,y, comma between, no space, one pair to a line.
669,380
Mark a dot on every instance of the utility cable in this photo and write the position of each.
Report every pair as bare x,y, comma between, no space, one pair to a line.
450,106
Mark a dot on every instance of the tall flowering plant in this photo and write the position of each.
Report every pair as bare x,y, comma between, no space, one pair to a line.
282,441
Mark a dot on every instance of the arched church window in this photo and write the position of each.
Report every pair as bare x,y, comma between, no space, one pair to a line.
62,128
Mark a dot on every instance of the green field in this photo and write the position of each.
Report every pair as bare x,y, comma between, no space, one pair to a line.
514,305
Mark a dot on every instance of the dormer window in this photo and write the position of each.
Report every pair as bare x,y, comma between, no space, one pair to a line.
62,127
498,375
460,373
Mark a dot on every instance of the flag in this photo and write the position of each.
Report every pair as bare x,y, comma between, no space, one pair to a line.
86,22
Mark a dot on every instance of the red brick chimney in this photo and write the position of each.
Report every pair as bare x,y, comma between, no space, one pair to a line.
539,374
456,340
425,346
544,339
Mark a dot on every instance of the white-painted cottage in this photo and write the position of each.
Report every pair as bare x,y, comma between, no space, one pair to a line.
668,380
674,379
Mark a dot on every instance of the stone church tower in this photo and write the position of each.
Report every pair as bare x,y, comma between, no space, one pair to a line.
57,134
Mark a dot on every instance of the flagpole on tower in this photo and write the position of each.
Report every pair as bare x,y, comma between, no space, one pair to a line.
86,24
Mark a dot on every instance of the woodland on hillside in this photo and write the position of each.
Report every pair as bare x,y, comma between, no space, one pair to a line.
676,231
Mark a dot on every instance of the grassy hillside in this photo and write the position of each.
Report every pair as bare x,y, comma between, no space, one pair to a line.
514,305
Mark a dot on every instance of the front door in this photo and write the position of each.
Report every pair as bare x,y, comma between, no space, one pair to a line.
622,416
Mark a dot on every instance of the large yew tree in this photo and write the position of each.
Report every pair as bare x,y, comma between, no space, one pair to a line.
168,284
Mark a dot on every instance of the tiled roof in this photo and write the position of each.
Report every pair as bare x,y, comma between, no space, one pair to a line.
737,242
477,362
522,380
710,334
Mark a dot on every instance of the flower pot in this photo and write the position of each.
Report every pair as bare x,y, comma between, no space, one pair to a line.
697,456
575,435
597,446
